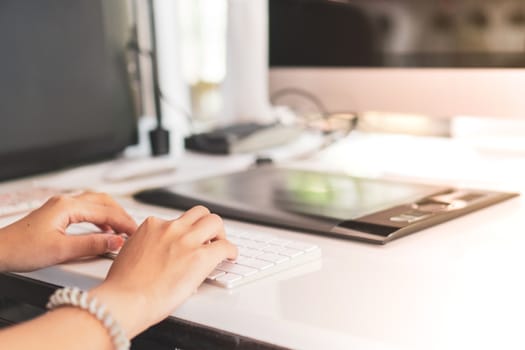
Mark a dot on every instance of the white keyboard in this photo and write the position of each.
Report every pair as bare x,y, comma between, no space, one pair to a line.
24,200
260,255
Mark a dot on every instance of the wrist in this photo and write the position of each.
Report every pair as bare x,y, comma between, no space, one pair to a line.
4,256
72,297
72,319
128,309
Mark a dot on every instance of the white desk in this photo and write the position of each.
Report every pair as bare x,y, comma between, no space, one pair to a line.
458,285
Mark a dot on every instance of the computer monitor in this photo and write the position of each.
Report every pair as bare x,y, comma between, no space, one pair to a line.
438,58
64,89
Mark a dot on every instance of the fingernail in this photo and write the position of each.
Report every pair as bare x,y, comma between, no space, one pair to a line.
114,243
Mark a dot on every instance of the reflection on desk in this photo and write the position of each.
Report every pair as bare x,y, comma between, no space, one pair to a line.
453,286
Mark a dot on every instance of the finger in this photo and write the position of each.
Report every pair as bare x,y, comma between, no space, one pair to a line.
220,250
79,211
95,197
105,228
90,245
208,228
102,199
193,215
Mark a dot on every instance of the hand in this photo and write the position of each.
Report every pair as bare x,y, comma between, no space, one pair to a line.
39,240
161,265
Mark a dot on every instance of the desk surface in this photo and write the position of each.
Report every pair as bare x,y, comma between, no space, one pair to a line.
455,285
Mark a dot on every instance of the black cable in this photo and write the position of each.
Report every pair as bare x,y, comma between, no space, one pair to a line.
330,136
159,137
323,111
163,96
169,101
154,64
293,91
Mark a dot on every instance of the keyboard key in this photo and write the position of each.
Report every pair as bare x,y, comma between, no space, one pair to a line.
236,269
292,253
262,238
235,240
243,233
301,246
232,233
214,274
245,243
255,263
272,248
255,245
228,278
274,258
250,253
278,241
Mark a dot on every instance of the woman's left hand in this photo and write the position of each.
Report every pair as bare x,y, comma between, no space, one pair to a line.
39,239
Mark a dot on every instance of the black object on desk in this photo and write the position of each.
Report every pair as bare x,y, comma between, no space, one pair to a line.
370,210
159,137
242,137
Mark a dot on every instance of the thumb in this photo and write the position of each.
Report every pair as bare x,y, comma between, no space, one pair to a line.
93,244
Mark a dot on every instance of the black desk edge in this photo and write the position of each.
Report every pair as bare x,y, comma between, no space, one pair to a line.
169,333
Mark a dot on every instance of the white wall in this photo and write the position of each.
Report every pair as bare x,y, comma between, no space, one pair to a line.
171,82
245,87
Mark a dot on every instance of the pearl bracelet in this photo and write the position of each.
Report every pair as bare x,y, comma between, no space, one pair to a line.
69,296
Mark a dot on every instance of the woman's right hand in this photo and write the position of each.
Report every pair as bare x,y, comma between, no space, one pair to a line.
161,265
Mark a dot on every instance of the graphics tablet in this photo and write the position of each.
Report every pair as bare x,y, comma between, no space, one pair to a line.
371,210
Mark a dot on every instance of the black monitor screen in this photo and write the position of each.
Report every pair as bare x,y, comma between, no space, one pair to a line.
64,91
397,33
